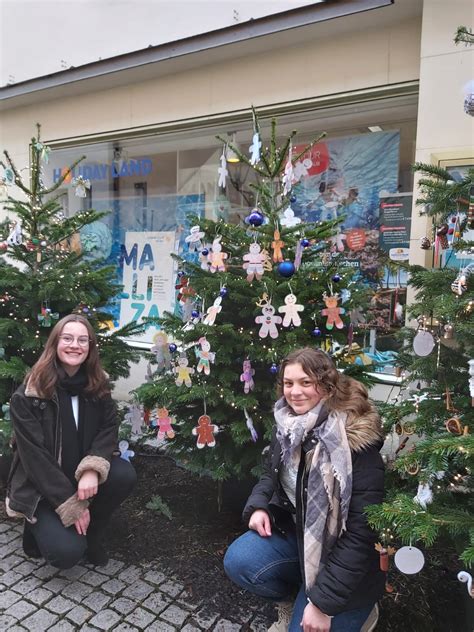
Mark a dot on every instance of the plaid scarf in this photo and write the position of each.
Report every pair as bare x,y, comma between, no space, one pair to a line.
329,468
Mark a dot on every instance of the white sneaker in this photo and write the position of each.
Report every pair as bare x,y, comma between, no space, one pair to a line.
371,620
285,610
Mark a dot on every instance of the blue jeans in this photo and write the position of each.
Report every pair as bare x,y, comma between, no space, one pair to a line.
270,567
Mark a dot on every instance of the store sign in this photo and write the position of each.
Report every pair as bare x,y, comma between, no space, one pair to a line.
104,171
395,225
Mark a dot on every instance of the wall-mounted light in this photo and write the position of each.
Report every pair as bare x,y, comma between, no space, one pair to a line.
230,154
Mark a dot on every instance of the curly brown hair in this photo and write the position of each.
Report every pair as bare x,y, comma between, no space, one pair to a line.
44,373
342,393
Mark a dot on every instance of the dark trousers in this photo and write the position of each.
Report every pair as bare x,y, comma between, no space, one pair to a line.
62,546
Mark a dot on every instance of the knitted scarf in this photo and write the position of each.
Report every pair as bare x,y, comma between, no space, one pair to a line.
329,468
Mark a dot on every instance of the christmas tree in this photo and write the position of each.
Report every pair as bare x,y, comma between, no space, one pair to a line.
43,277
249,293
430,470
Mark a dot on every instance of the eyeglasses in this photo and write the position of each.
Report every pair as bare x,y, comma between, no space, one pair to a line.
67,339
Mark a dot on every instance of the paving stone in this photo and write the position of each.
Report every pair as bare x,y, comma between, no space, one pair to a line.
7,536
105,620
123,605
160,626
259,624
96,601
190,627
111,568
26,568
5,526
60,605
224,625
130,574
39,596
7,598
27,585
79,615
113,586
16,628
10,577
46,572
157,602
77,591
10,547
93,578
155,577
6,622
140,618
56,585
10,562
125,627
40,621
205,618
20,609
174,614
73,573
172,588
139,590
62,626
185,601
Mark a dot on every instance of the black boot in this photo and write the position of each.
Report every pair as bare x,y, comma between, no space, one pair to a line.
30,547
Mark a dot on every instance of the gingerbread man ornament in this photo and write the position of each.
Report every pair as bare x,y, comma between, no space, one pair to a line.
205,432
290,310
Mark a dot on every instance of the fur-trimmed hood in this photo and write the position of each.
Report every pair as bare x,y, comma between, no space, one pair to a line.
366,431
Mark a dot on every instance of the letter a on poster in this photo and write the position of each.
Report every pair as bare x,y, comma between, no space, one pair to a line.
147,277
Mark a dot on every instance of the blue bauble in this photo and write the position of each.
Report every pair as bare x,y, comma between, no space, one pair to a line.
180,273
172,347
204,252
305,242
274,368
255,218
195,313
336,278
286,269
293,199
316,332
223,292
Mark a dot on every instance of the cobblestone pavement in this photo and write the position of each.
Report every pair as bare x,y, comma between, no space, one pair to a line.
35,596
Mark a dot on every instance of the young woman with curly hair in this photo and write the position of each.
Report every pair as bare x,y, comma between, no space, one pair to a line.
308,534
64,480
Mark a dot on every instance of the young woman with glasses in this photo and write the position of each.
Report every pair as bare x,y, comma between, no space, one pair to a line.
64,480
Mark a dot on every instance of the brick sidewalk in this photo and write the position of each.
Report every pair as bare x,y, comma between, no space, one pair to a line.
35,596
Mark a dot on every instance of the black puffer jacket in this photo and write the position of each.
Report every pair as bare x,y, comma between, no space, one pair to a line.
36,471
351,577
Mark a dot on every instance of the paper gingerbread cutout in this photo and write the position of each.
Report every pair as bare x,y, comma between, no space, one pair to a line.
164,424
125,453
194,238
134,417
205,356
268,321
332,311
289,220
185,290
254,262
291,309
212,311
205,432
247,376
255,149
277,245
161,350
222,171
183,372
217,257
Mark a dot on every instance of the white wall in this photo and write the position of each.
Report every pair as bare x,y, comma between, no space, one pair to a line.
39,37
444,130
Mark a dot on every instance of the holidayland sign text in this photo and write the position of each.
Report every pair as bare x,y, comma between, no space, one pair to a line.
103,171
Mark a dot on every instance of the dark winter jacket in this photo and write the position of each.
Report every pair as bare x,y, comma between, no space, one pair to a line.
351,576
36,471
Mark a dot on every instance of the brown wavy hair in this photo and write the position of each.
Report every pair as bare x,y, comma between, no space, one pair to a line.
44,374
342,393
